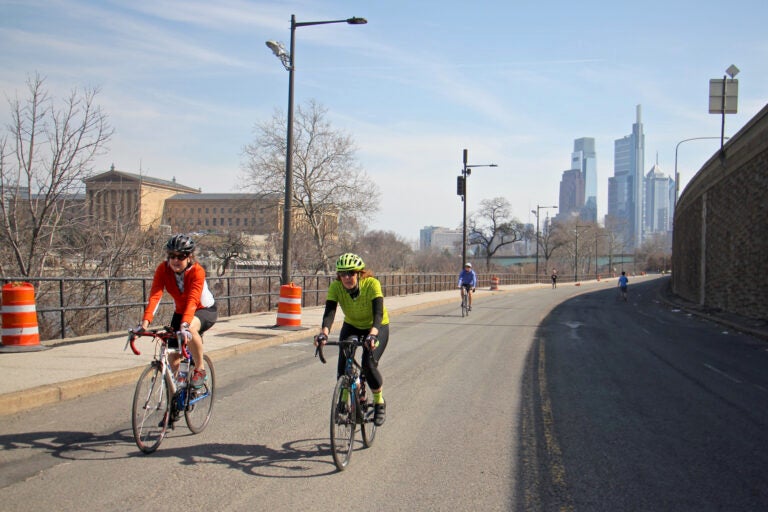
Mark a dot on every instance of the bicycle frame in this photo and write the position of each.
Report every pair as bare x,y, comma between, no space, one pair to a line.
352,369
161,336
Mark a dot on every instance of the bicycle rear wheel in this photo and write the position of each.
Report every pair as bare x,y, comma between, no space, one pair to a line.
367,426
199,406
150,411
342,423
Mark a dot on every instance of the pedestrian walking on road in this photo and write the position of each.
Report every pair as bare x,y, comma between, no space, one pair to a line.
554,278
623,281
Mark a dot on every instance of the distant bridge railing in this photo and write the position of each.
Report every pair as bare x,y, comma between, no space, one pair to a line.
70,307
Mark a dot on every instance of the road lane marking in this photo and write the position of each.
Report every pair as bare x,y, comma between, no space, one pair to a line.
720,372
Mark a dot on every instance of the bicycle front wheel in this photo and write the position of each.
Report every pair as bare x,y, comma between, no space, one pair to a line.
150,408
342,423
199,406
464,311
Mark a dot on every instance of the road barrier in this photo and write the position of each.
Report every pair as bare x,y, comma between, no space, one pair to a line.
20,332
289,306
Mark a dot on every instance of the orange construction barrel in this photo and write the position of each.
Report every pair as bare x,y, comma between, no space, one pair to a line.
494,283
20,333
289,306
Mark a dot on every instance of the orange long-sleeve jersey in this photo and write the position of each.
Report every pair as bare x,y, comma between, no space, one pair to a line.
195,295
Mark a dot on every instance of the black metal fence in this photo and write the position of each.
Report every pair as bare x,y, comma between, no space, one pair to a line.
71,307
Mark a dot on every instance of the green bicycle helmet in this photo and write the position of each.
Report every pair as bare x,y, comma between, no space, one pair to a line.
349,261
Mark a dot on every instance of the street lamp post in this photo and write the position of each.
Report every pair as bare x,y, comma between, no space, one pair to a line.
576,255
597,236
677,176
287,58
462,191
536,212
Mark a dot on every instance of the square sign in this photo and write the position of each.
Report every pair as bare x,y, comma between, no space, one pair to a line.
716,96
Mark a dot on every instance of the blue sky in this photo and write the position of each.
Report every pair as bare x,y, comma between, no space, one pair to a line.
185,81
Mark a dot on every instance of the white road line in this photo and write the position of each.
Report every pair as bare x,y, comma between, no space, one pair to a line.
727,376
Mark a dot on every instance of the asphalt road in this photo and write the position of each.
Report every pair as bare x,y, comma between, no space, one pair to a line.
539,400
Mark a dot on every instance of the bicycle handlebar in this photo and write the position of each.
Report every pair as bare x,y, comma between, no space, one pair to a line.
352,340
165,333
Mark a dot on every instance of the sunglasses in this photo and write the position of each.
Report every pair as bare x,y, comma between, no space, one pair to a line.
177,256
347,273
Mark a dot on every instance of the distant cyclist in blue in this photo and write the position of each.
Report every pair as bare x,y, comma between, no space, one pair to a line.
623,281
468,281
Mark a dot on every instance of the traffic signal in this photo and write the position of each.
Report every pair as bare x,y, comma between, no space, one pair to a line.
460,189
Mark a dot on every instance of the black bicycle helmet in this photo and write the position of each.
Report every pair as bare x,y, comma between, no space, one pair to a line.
180,243
349,261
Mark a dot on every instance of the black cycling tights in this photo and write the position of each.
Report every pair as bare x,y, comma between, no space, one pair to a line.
370,365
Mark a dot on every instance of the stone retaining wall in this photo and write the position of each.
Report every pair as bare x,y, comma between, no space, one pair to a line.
720,243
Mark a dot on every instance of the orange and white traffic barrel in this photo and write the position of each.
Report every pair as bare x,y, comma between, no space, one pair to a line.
494,283
20,332
289,306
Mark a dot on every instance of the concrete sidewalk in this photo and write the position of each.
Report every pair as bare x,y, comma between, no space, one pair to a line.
82,366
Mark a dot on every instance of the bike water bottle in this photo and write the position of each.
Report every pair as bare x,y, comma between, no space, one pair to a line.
183,370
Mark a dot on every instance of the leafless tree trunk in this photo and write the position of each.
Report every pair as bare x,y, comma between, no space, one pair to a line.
43,160
491,228
328,181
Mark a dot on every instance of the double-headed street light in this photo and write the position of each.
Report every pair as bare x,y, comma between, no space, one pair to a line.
461,189
287,58
536,212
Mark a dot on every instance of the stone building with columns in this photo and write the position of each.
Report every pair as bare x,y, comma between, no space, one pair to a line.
151,203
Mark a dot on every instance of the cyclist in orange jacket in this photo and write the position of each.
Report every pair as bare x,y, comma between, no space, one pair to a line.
195,308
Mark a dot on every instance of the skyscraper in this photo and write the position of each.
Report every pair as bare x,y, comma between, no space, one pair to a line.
659,201
625,188
571,195
584,159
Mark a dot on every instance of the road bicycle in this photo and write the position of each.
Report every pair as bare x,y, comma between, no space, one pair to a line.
349,406
162,397
465,309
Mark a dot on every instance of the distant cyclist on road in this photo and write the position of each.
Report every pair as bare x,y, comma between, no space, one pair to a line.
359,294
468,282
623,281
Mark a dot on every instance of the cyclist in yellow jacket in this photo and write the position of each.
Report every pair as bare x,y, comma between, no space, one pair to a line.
359,294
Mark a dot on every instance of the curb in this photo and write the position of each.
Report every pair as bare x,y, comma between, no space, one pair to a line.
23,400
666,296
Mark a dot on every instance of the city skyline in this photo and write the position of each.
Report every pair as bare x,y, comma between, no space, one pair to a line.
184,83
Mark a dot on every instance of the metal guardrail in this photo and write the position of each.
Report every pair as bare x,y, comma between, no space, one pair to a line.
73,306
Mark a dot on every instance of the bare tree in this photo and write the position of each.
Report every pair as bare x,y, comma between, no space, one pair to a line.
328,181
549,242
227,249
43,160
384,251
491,227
